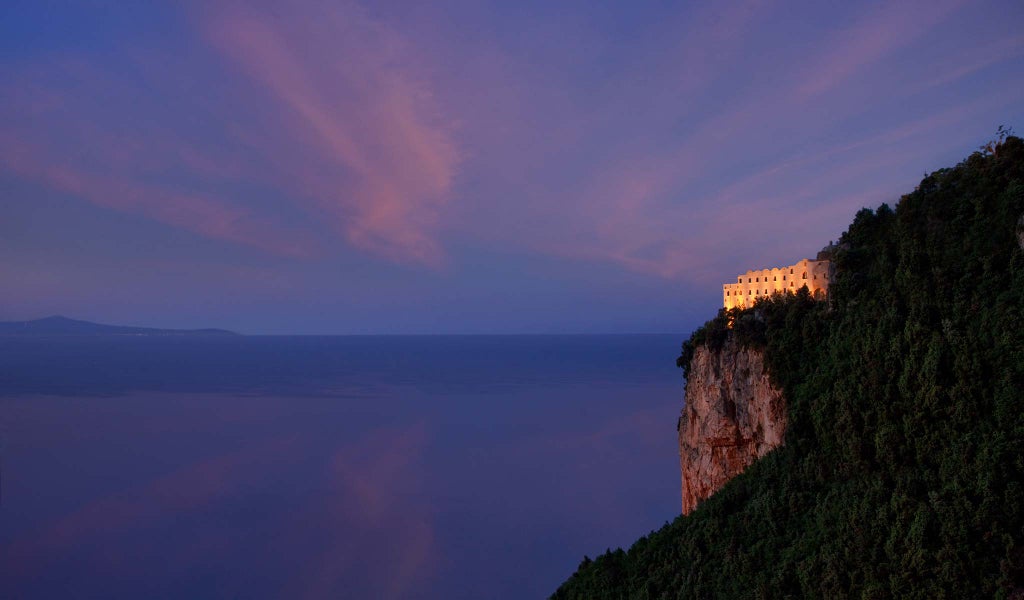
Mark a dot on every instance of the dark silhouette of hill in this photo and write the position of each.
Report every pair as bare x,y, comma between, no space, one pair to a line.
58,325
901,474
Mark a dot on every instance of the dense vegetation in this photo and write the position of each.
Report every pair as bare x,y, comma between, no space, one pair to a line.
903,470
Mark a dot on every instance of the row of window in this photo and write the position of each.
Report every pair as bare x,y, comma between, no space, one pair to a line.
775,278
757,279
759,292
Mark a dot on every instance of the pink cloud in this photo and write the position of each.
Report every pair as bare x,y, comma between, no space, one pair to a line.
195,212
671,209
327,116
144,169
976,58
885,29
347,119
639,227
368,144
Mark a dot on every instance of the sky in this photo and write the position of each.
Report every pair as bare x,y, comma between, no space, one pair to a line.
329,167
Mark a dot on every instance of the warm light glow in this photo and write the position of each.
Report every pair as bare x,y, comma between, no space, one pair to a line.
812,273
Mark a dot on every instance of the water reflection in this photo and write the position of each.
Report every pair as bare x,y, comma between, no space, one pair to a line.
357,485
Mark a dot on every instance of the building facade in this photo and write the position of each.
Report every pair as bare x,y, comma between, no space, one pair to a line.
815,274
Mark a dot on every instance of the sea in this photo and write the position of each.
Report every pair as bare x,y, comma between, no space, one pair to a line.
329,467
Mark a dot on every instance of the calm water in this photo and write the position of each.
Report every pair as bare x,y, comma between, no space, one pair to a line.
345,467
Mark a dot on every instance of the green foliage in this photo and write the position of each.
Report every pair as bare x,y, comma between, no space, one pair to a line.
902,475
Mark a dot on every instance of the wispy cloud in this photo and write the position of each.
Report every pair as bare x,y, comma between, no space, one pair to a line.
72,141
670,144
775,164
977,58
322,114
198,212
880,31
359,113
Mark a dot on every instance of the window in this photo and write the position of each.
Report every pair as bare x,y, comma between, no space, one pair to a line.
750,292
739,280
805,275
783,277
775,278
790,284
757,279
791,271
748,280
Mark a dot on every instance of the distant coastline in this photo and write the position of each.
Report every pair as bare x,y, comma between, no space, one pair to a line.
58,325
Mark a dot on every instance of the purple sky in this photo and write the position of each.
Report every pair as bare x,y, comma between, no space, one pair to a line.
464,167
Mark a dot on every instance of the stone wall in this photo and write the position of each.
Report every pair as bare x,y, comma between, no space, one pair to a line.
815,274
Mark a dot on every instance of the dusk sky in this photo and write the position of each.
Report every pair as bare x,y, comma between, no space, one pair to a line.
464,167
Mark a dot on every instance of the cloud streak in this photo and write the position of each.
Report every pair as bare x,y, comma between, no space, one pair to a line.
877,33
192,211
669,205
324,115
359,110
390,151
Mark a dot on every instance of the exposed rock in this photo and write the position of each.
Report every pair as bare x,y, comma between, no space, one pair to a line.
733,416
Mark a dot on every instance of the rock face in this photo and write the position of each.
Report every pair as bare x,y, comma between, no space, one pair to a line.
733,416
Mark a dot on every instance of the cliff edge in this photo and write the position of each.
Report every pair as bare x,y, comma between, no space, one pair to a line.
733,415
901,472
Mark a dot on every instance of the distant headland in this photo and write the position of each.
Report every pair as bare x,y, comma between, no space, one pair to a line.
58,325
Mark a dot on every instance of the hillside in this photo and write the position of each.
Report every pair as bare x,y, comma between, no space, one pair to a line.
65,326
902,473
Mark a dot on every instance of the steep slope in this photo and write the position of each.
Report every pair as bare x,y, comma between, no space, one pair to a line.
733,415
901,474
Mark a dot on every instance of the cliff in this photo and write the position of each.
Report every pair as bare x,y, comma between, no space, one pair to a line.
732,416
901,472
